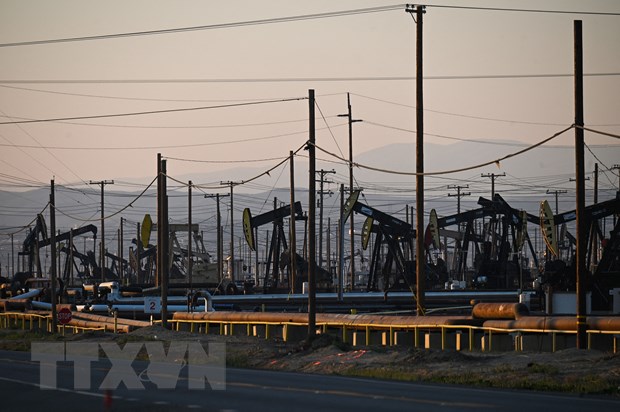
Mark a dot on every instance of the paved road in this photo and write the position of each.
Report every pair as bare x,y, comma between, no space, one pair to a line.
258,391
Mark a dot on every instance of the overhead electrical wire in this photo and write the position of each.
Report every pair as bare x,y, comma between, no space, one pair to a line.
496,161
458,114
150,112
224,161
130,204
221,126
210,26
176,146
303,79
286,19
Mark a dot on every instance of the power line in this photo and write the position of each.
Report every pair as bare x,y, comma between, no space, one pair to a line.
174,146
210,26
458,114
496,161
303,79
286,19
187,109
591,13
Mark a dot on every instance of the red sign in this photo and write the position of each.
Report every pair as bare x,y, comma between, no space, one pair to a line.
64,316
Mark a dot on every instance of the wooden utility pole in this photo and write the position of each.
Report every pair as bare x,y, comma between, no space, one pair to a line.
189,240
231,268
322,192
311,219
341,223
220,240
102,183
162,238
120,252
293,244
419,162
493,176
458,195
349,116
53,252
138,254
580,186
556,193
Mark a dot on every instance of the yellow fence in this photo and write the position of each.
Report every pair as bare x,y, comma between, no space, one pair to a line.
459,337
444,337
37,322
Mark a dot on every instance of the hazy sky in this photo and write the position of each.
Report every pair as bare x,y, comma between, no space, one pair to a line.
483,83
463,50
457,42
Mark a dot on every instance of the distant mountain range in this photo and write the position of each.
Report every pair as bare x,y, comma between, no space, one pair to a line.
19,208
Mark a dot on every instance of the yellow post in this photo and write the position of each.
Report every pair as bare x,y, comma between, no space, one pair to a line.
367,336
391,340
249,330
416,337
191,326
344,333
553,342
490,340
471,339
206,328
267,331
443,338
285,332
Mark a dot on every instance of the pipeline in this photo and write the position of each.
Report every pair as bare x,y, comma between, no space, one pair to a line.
107,319
544,323
323,318
8,305
499,311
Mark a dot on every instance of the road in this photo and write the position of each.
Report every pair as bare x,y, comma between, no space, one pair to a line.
258,391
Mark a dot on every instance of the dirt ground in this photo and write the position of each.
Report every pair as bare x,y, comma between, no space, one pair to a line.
570,370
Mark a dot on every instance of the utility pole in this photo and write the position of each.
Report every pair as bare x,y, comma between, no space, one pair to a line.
341,223
458,195
556,193
53,251
138,254
322,180
102,183
580,186
189,241
162,238
232,231
419,163
611,169
292,228
220,246
493,176
12,257
349,116
617,167
458,211
120,251
311,219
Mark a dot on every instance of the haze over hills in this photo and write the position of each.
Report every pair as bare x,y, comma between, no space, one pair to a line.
401,158
387,192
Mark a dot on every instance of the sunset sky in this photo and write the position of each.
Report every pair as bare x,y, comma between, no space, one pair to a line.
492,76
